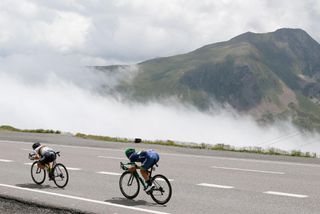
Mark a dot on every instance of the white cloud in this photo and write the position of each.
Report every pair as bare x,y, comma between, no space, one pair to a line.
131,31
45,46
66,33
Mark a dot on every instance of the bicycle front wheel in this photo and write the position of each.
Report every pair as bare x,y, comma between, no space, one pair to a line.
60,175
129,185
38,175
162,191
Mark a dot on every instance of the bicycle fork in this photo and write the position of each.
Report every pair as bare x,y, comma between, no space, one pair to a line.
130,179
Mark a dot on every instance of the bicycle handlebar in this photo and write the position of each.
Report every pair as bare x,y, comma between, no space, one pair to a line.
124,167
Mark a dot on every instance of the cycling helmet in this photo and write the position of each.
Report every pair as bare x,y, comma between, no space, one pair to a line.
36,145
129,152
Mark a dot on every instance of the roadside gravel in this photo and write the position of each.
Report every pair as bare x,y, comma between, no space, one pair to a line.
14,206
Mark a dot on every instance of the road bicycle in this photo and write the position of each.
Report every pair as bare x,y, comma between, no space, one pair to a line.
60,174
130,184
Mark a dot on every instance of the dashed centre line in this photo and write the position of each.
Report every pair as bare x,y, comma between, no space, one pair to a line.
118,174
69,168
109,173
6,161
116,158
215,186
29,164
74,169
160,179
176,154
286,194
248,170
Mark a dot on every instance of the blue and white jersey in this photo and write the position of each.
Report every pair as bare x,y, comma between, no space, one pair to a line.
146,158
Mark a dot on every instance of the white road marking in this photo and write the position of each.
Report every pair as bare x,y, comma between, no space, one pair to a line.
28,164
248,170
29,150
286,194
109,173
18,142
242,159
69,168
74,169
84,199
85,147
178,155
215,186
6,161
160,179
118,174
116,158
65,146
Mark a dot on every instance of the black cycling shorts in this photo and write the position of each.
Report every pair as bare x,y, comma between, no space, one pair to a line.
47,158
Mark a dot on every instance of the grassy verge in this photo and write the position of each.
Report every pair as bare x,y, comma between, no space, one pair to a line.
43,131
219,147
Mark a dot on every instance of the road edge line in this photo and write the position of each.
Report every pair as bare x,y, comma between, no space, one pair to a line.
83,199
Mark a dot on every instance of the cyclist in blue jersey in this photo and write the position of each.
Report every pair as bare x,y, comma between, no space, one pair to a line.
147,159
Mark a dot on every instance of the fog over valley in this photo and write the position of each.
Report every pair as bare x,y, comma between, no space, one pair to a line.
48,51
54,92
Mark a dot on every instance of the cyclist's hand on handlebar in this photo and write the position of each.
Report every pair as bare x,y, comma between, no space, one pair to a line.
132,169
33,156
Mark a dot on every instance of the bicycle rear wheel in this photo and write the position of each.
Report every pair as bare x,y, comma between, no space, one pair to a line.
162,191
60,175
129,185
38,175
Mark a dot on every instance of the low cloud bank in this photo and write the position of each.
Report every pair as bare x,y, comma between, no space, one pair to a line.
53,92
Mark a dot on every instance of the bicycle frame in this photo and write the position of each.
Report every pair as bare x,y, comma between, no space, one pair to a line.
159,189
47,166
140,179
56,171
135,173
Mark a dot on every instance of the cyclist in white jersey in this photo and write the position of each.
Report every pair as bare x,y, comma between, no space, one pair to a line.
45,155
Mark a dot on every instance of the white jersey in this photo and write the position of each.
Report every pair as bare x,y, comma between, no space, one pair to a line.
41,150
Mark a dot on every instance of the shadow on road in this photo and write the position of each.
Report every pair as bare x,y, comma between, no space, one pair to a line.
127,202
36,186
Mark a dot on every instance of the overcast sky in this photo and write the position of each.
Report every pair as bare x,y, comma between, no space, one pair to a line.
130,31
45,45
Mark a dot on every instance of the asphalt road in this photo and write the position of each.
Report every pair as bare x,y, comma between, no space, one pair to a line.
202,181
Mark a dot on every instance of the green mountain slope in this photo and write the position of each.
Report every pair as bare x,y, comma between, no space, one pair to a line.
272,75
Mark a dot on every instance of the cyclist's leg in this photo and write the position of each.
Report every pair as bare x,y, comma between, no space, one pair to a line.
42,162
47,159
144,169
145,174
51,157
